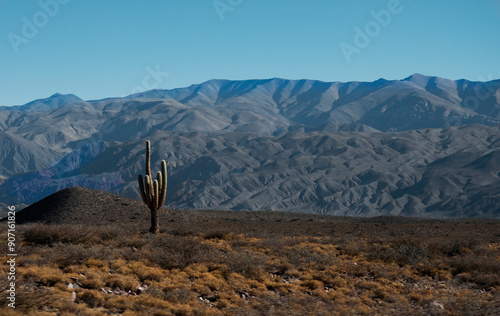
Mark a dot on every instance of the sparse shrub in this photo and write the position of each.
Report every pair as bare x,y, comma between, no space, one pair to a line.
67,255
308,255
312,284
437,270
484,271
132,242
92,280
453,247
120,266
466,302
29,299
95,263
178,252
246,264
92,298
45,275
108,233
182,232
410,252
124,282
219,234
145,272
42,234
179,295
210,281
403,251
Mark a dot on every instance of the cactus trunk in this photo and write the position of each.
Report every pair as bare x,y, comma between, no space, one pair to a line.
148,165
155,222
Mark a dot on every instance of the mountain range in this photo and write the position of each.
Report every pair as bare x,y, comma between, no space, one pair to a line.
421,146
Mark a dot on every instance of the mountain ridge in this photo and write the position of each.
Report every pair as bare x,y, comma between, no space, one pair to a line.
430,173
332,98
353,148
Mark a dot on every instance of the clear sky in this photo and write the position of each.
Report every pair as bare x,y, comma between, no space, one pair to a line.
105,48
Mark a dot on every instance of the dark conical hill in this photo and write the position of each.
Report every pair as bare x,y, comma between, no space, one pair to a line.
84,206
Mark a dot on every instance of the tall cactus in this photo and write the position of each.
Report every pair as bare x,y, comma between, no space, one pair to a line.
153,192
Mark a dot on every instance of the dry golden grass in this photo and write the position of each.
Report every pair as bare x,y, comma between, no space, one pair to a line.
221,263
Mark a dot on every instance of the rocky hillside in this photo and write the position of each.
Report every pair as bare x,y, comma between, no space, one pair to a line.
441,173
83,206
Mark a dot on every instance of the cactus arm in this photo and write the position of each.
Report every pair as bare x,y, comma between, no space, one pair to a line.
163,186
149,192
141,189
148,164
159,179
148,158
155,197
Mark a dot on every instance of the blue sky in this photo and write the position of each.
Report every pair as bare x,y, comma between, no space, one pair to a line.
105,48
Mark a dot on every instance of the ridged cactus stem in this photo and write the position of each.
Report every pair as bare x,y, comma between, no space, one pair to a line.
149,192
163,181
153,192
148,164
141,189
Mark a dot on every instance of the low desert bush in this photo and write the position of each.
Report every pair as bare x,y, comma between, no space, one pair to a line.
42,234
246,264
308,255
453,247
45,275
219,234
410,251
66,255
169,252
92,280
146,272
484,271
92,298
123,282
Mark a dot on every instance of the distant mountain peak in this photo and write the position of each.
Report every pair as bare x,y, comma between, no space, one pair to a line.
418,79
58,95
416,76
54,101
